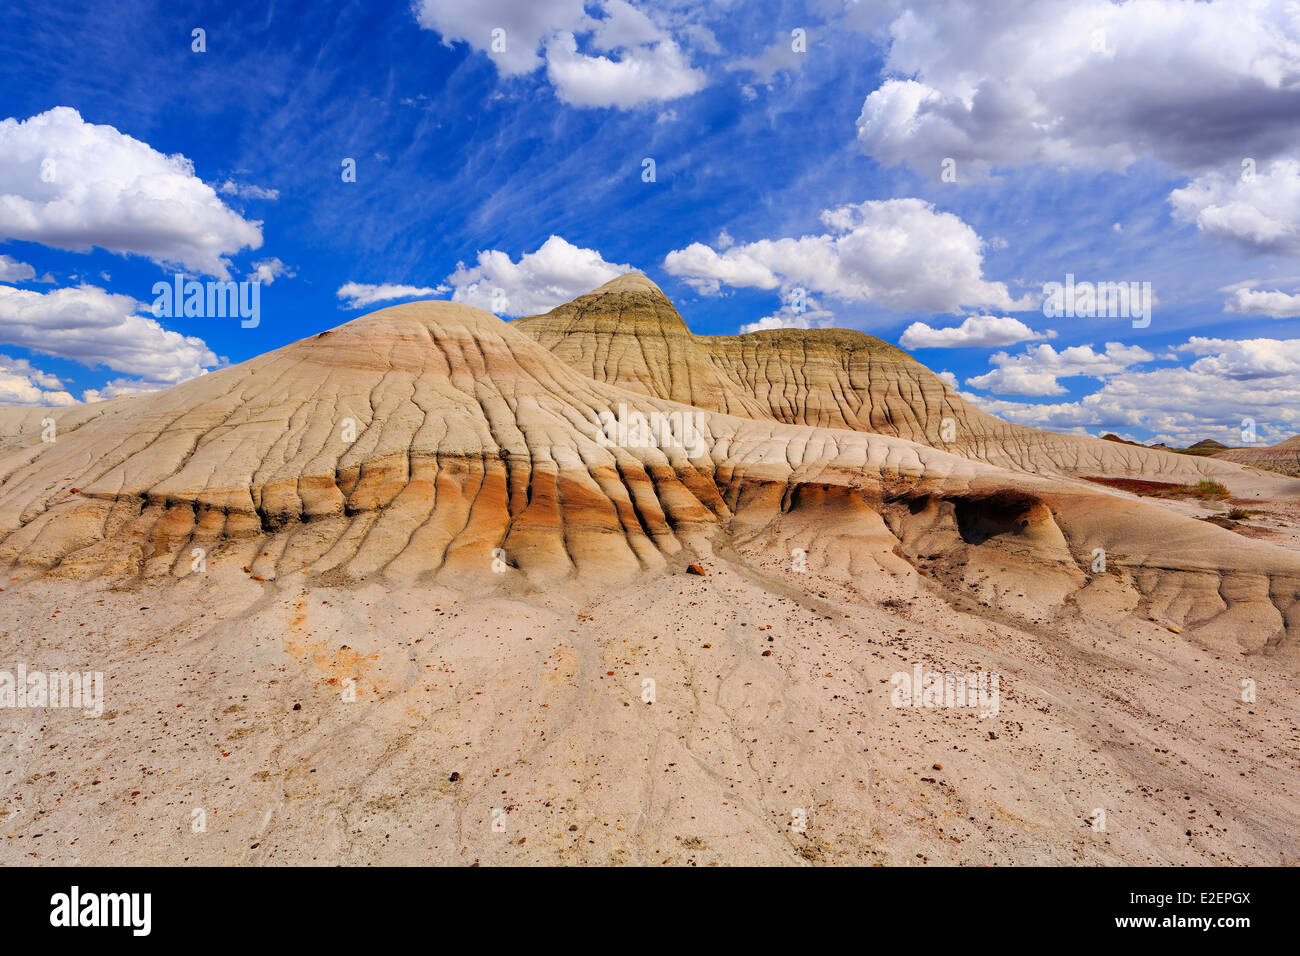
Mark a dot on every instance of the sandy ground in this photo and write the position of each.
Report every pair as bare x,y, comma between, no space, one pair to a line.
1267,517
504,729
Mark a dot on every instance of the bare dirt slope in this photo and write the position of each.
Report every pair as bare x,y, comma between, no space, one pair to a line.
389,594
1284,457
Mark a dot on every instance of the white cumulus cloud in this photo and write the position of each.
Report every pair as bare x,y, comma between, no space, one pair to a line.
1243,359
976,331
117,387
266,271
795,313
1229,381
21,383
1090,83
556,273
1036,370
1277,305
75,185
780,57
1086,82
525,26
248,190
1260,212
642,74
900,253
11,270
612,54
89,325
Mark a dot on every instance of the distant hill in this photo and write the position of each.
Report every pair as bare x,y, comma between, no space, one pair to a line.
1204,448
1284,457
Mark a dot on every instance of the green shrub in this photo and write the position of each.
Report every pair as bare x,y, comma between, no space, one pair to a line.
1205,488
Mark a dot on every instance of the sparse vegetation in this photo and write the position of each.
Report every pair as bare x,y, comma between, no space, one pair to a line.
1208,490
1205,489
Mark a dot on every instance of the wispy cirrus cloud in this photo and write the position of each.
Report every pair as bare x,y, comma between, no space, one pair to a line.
356,295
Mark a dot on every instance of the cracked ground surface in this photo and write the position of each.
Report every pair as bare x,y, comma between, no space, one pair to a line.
536,707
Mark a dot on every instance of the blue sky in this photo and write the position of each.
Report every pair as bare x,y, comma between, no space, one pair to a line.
1087,138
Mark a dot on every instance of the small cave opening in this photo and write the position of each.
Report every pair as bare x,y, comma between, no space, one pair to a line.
981,517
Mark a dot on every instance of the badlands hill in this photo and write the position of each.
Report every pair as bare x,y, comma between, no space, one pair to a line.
1283,458
628,333
391,594
425,437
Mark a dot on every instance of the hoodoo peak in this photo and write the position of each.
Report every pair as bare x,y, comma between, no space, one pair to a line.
629,282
